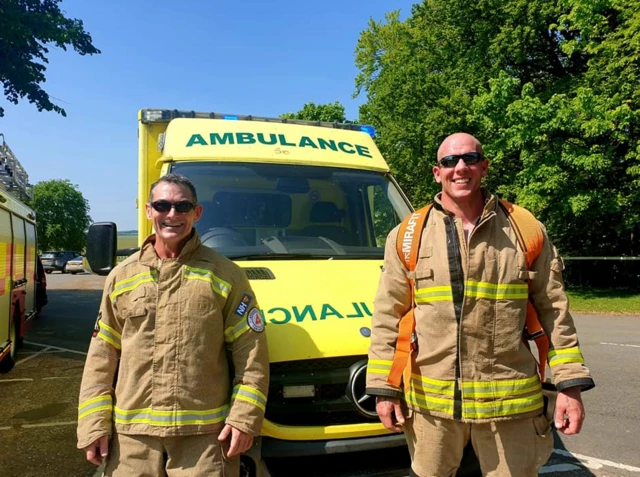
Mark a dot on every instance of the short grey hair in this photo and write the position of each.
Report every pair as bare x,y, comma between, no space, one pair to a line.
177,179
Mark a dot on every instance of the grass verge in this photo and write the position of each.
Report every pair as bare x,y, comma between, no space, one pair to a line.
616,302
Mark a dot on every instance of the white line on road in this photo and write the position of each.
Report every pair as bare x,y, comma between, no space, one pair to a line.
547,469
621,344
19,380
32,356
42,424
56,348
594,463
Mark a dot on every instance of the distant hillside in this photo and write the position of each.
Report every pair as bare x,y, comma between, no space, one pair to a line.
127,232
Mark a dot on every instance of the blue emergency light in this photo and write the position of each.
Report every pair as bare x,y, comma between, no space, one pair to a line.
370,130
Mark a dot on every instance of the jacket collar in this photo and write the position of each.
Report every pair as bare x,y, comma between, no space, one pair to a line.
149,257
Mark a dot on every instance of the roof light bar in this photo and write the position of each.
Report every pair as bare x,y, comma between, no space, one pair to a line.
164,115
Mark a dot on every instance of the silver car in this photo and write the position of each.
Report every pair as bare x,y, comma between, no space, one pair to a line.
75,265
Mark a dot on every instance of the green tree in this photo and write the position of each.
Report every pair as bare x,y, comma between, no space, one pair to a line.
550,89
27,27
331,112
62,215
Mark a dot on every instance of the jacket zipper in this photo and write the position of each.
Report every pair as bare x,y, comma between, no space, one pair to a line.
456,274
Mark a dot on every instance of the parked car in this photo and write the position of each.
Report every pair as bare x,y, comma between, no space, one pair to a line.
52,261
41,286
75,265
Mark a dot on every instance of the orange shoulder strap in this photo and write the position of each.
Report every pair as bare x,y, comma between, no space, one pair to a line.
408,246
530,239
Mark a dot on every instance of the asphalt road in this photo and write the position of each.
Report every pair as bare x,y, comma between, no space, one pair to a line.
38,397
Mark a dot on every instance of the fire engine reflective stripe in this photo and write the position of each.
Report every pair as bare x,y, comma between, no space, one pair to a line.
170,418
110,335
250,395
219,286
379,366
433,386
132,283
502,408
561,356
233,332
500,388
431,294
100,403
495,291
429,403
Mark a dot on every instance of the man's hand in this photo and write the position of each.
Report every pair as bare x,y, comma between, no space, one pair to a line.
390,413
569,411
98,450
240,441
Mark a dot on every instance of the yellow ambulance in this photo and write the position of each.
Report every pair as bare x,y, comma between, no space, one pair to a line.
304,208
18,258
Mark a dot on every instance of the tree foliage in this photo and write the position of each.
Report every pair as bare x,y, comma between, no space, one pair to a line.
549,87
331,112
28,28
62,215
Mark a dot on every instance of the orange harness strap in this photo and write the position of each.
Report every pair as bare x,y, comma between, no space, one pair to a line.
530,238
408,246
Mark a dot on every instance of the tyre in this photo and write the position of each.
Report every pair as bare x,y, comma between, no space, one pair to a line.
48,271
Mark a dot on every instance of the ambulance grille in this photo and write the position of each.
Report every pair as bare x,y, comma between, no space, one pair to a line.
259,274
329,406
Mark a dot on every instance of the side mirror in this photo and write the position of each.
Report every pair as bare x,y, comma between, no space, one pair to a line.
102,241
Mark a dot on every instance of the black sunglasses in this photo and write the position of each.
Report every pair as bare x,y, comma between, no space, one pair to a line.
181,207
469,158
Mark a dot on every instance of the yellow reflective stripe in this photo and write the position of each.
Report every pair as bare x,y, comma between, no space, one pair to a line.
507,407
379,366
433,386
430,294
429,403
250,395
501,388
568,355
170,418
493,291
217,284
110,335
233,332
96,404
135,281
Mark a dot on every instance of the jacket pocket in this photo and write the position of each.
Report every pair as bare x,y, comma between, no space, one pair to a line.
134,312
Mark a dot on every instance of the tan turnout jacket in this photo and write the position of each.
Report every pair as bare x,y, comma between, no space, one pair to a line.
157,363
471,361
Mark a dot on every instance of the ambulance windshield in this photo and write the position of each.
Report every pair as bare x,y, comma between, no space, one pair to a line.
263,211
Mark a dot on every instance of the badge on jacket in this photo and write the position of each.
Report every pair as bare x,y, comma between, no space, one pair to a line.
241,309
96,327
255,321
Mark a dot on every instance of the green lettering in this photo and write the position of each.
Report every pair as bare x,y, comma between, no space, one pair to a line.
272,139
283,141
343,147
363,151
215,138
328,310
196,139
365,308
307,310
358,314
324,144
245,138
306,141
286,319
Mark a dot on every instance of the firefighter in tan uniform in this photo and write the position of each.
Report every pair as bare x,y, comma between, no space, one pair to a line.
471,376
157,397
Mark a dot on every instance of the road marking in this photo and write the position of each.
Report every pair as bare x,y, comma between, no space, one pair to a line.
19,380
32,356
56,348
42,424
621,344
594,463
547,469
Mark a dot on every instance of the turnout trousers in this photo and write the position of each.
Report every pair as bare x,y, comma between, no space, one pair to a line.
509,448
182,456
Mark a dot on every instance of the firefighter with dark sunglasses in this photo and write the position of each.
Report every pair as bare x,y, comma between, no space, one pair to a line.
470,375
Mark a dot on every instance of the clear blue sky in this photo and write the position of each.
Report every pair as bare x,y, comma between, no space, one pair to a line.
242,56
